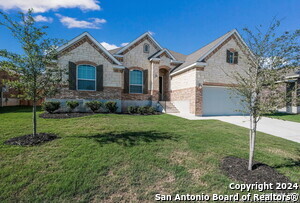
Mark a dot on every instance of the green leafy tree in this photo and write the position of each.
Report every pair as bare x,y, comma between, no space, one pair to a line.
38,73
272,56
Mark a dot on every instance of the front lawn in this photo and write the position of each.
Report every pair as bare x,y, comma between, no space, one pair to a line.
286,117
111,158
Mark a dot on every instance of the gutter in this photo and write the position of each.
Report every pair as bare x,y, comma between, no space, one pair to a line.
155,59
194,65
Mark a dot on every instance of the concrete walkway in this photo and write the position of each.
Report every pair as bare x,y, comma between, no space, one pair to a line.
280,128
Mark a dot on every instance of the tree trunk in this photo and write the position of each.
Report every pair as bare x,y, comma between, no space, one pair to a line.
34,118
252,135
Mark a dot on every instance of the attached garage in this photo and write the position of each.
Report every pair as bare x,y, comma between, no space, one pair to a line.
220,101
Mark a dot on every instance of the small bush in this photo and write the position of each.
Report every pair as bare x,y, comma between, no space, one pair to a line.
151,110
142,110
132,109
146,110
50,107
72,104
111,106
94,105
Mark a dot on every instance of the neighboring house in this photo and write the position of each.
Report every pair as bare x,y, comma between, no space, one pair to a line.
292,86
7,95
145,73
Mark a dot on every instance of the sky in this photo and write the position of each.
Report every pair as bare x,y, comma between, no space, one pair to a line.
180,25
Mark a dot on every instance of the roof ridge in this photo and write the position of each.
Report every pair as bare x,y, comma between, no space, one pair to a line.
212,41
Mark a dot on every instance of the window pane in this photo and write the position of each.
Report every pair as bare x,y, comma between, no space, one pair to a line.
231,57
86,85
136,89
146,48
86,72
136,77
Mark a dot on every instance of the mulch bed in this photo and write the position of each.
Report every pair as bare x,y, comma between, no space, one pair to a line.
237,169
75,115
64,115
30,140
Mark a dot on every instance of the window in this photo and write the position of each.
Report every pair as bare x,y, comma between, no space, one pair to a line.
136,81
232,57
146,48
86,77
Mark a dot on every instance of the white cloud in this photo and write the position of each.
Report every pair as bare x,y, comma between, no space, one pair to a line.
112,46
46,5
108,46
124,44
152,33
40,18
69,22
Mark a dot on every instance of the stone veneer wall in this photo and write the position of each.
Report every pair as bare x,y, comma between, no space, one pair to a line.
217,69
184,88
85,52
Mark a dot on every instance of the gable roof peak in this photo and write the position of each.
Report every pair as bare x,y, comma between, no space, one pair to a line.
139,38
86,34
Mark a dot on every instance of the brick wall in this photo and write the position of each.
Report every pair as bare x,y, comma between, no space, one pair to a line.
106,94
9,98
193,95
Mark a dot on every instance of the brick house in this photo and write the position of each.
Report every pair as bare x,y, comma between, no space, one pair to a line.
7,95
145,73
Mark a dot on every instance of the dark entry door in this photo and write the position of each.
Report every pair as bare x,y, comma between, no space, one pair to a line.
161,88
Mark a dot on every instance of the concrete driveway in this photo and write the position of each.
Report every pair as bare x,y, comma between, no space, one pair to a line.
280,128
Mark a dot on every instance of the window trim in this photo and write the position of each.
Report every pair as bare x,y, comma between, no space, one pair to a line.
233,57
95,89
146,45
136,84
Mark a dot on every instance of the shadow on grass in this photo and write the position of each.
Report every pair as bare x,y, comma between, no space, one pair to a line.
129,139
279,114
18,109
290,162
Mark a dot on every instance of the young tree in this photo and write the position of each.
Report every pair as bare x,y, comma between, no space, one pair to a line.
38,74
271,57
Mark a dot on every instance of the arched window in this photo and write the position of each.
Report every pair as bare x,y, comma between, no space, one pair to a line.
146,48
86,77
136,81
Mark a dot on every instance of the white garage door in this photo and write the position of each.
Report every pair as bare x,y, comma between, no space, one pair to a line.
220,101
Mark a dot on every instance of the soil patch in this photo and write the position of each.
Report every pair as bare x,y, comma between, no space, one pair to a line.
237,169
30,140
64,115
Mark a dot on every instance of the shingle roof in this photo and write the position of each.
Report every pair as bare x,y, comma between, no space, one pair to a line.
178,56
113,51
195,56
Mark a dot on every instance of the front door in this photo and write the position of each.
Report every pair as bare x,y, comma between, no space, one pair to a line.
161,88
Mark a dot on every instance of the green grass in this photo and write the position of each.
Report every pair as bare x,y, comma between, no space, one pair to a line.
115,158
286,117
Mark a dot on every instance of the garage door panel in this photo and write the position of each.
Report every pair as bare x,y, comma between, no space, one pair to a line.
220,101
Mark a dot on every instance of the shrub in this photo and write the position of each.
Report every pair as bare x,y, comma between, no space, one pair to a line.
151,110
132,109
51,106
142,110
94,105
72,104
111,106
146,110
